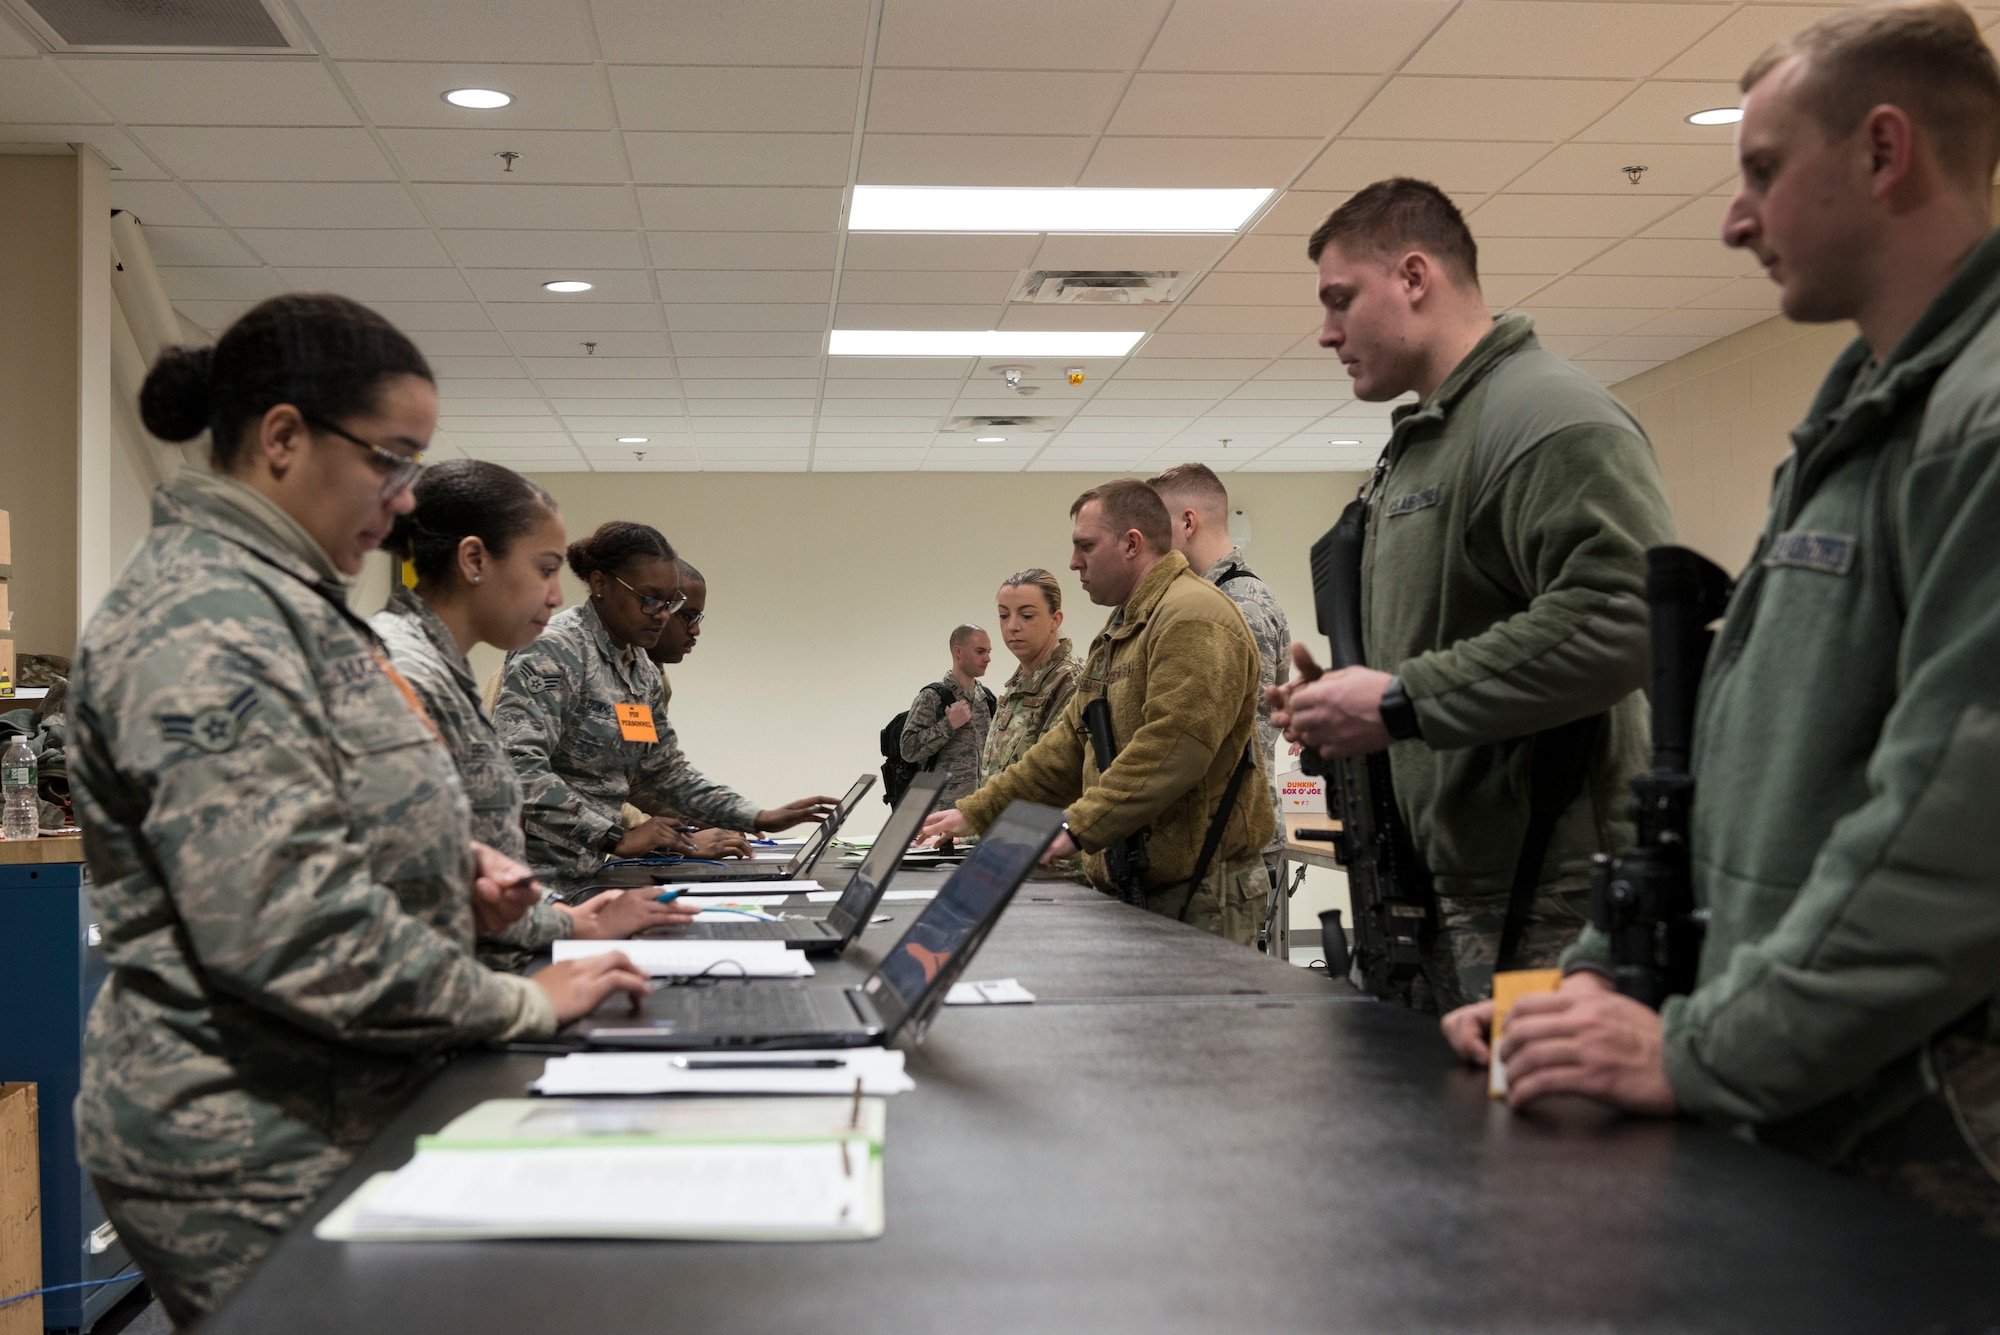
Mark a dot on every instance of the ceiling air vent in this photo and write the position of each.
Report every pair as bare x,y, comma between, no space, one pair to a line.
156,26
983,426
1101,287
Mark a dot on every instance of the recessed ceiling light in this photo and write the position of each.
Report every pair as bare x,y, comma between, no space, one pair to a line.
989,440
632,440
1343,442
978,343
1717,116
889,208
568,285
479,99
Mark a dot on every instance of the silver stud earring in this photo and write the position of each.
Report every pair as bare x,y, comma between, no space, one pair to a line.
475,579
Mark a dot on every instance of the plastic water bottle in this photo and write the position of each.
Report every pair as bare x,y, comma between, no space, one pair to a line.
19,779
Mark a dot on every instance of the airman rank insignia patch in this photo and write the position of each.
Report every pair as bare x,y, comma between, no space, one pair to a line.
214,729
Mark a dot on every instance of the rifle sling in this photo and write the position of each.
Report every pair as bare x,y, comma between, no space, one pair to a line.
1556,773
1213,839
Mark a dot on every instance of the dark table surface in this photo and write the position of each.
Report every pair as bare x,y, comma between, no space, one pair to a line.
1186,1136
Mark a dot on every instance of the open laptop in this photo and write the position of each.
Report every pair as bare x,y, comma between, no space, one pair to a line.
799,868
903,992
832,933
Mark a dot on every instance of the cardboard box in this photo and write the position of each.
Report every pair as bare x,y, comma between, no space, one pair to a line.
1301,794
6,539
20,1209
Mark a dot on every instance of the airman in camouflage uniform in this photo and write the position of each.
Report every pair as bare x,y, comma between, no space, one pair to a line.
558,719
281,853
1032,704
1259,606
931,741
424,651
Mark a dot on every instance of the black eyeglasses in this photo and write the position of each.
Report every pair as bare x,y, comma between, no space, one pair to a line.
654,607
688,618
399,471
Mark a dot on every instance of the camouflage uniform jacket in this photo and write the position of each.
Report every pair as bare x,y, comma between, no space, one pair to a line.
1259,606
426,653
281,857
1032,704
930,740
557,717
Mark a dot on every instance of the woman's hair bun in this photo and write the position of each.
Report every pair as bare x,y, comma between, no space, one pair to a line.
174,402
402,540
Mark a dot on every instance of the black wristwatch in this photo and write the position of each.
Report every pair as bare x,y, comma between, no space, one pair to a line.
612,838
1399,716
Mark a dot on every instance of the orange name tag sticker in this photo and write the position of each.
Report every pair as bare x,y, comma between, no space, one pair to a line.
635,723
1507,989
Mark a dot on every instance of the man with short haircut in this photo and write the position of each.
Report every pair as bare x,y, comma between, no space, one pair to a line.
1847,747
1178,668
1502,588
946,727
1198,510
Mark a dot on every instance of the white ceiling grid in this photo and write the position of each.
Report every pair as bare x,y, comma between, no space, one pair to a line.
692,160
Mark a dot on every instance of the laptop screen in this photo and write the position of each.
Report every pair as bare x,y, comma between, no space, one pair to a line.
914,976
822,835
886,853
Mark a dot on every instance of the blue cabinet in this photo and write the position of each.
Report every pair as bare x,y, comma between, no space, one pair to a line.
49,973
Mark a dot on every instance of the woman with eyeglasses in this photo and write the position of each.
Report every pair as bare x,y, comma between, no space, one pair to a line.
281,853
487,548
584,719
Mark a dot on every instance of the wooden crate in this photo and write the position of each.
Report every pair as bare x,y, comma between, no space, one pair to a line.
20,1210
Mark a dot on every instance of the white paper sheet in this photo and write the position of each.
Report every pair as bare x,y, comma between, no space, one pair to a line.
998,992
734,890
586,1074
684,959
829,896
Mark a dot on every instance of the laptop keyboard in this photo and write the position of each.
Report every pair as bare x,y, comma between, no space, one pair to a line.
737,1007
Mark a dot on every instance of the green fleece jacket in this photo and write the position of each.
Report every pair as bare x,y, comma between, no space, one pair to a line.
1504,581
1847,755
1181,672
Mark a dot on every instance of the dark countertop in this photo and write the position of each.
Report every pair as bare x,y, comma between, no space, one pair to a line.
1186,1136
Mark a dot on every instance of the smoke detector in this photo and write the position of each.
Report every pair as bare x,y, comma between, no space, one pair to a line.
1012,376
1101,287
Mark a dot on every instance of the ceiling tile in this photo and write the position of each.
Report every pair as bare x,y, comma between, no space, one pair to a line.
1707,323
749,368
834,407
524,30
884,250
1505,290
546,97
1302,105
1699,221
580,157
1191,368
1610,373
328,247
983,102
1567,215
211,91
696,344
1553,38
1349,164
612,346
1601,322
571,364
1671,169
421,316
1519,109
1729,48
1198,163
610,285
545,249
1648,347
561,207
1577,290
967,34
697,285
713,158
742,32
927,287
1298,212
1268,254
1295,320
736,410
884,430
195,246
468,426
1126,252
309,204
241,153
589,407
1310,36
1656,113
1111,319
1534,255
1742,294
740,208
128,162
742,250
213,316
1216,345
861,315
1162,425
634,424
488,396
644,388
747,317
35,91
606,317
736,100
16,44
382,284
985,159
890,370
221,284
1683,258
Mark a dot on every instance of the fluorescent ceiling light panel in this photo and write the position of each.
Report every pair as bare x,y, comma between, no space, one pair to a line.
895,208
568,285
478,99
979,343
1717,116
632,440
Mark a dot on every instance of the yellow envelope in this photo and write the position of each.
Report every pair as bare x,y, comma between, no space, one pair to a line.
1507,989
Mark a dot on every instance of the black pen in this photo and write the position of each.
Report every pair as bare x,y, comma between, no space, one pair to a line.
716,1064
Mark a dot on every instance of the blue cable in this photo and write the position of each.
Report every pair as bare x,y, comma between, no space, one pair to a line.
58,1288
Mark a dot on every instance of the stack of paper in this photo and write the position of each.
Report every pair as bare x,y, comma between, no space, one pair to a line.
689,959
763,1170
791,1071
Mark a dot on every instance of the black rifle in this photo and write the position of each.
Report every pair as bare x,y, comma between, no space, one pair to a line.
1127,861
1644,900
1389,888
